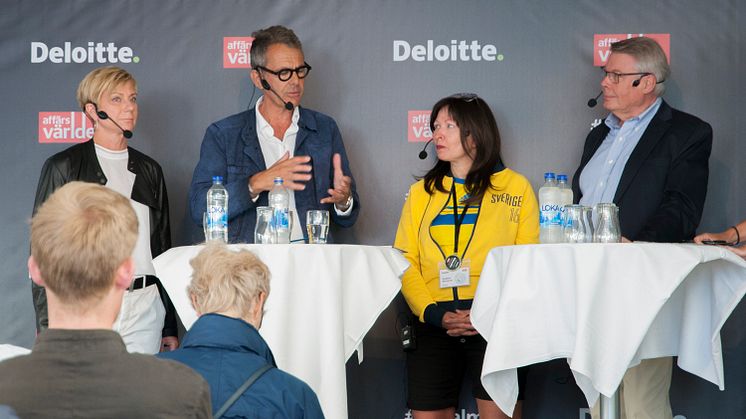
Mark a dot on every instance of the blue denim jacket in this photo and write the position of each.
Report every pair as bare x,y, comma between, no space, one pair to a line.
231,149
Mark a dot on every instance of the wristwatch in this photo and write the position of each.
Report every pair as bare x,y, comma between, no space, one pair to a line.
346,205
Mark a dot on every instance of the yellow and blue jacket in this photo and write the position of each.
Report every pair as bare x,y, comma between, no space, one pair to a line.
507,214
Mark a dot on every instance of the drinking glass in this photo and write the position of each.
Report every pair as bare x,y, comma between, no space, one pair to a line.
264,231
588,218
607,230
574,225
317,224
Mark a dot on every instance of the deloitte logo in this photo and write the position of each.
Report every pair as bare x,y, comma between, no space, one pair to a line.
456,51
94,52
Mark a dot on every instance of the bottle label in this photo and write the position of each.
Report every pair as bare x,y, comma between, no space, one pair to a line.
550,215
217,217
281,220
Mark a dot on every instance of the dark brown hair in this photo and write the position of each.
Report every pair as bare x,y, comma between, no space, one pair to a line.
474,118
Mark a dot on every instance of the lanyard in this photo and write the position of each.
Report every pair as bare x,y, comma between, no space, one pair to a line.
457,219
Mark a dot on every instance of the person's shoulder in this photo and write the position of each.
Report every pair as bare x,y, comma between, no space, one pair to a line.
684,119
235,121
167,369
139,155
70,153
316,117
510,177
291,383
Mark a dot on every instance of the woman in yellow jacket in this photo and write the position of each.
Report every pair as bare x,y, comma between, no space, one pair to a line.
466,205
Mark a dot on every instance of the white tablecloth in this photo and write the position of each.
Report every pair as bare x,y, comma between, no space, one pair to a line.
323,300
604,307
10,351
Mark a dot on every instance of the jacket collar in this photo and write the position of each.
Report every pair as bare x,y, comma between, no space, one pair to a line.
650,138
214,330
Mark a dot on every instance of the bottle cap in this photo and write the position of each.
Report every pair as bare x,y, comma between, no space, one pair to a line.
562,177
278,181
218,179
548,175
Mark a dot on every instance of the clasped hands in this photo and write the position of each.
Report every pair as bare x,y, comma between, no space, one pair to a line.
296,171
458,323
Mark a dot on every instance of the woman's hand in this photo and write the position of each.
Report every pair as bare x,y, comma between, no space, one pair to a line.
458,323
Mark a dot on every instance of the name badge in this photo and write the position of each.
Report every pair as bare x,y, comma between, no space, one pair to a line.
458,277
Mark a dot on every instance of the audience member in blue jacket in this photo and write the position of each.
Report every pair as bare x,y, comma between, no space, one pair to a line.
228,291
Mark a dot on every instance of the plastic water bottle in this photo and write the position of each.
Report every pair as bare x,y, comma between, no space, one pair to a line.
565,196
217,212
279,200
550,225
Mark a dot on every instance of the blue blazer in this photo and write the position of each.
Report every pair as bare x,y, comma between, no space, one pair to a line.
231,149
662,191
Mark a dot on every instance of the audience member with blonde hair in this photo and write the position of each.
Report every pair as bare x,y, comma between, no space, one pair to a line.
108,96
228,291
82,240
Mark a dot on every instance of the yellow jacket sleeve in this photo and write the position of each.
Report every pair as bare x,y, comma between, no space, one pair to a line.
408,241
528,227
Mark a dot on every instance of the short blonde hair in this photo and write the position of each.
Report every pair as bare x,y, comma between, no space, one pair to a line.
100,81
224,280
80,236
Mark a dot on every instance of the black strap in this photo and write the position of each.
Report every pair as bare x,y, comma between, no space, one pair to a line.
457,220
241,390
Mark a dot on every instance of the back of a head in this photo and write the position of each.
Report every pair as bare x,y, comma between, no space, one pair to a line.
225,281
264,38
649,56
79,238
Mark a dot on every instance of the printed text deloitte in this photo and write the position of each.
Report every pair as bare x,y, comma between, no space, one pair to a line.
93,53
456,51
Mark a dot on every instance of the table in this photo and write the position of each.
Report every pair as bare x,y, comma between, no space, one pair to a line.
8,351
323,300
604,307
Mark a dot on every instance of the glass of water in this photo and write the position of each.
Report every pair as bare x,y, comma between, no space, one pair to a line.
264,231
317,224
574,224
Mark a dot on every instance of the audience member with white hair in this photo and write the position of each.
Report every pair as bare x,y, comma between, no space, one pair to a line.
228,291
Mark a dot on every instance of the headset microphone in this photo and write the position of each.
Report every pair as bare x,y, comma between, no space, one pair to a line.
593,102
423,153
265,85
103,115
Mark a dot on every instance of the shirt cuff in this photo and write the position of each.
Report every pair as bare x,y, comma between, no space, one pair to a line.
346,212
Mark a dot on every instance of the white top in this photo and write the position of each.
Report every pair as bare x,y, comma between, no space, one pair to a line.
273,149
119,179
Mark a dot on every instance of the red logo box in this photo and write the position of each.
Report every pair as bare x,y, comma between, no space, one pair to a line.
236,51
64,127
418,123
602,44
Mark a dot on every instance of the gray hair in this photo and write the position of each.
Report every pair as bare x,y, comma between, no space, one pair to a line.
649,56
264,38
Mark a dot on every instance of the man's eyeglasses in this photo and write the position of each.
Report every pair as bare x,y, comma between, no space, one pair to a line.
284,74
466,97
614,77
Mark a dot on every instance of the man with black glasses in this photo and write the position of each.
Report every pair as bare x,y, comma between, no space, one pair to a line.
651,161
277,138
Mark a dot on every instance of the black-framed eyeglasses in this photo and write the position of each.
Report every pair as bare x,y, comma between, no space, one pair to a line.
466,97
284,74
614,76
